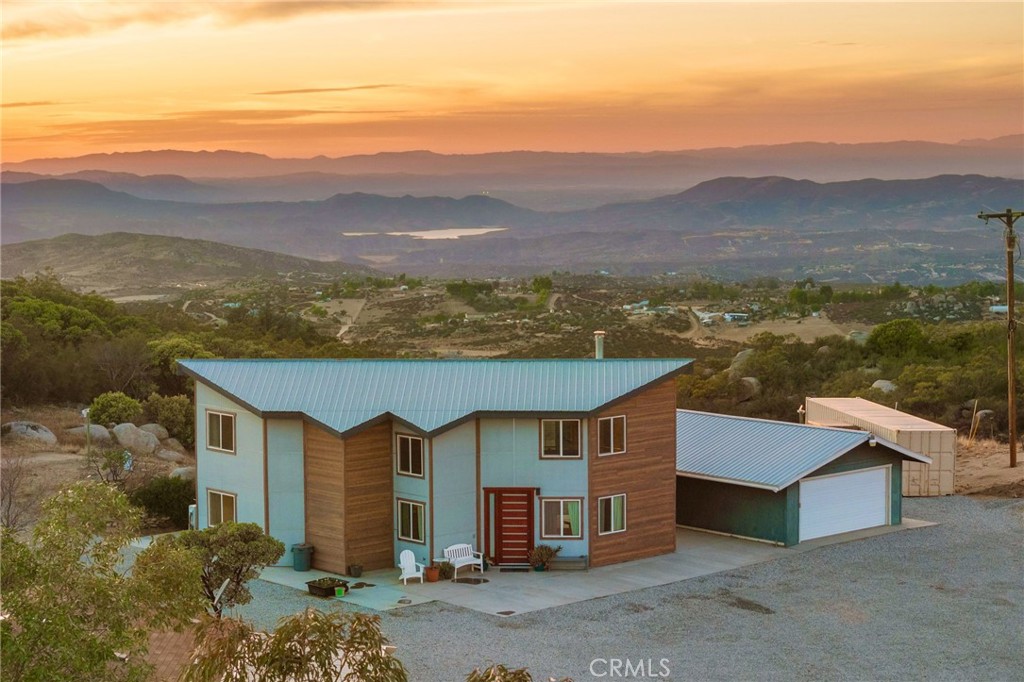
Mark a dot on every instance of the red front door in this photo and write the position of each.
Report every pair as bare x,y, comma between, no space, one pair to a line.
509,529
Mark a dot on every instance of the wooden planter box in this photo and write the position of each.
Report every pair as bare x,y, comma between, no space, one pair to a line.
325,587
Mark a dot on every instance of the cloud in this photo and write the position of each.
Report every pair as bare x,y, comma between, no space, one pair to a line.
12,105
41,20
350,88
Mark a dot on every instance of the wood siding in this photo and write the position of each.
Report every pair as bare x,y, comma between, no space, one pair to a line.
325,497
369,498
646,473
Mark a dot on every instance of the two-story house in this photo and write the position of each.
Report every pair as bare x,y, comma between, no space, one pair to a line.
365,458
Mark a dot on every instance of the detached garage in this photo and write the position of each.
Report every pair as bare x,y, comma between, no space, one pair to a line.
781,482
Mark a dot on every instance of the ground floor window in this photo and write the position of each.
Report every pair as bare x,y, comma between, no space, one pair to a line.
221,507
611,514
561,518
411,524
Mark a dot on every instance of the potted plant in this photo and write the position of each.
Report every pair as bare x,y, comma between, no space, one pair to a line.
325,587
541,555
354,570
446,570
432,573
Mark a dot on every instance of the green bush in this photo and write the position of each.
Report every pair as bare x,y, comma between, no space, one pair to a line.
174,413
114,407
166,497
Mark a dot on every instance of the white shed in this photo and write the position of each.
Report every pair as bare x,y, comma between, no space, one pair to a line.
916,434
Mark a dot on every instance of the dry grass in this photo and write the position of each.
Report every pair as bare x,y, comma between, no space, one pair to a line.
983,468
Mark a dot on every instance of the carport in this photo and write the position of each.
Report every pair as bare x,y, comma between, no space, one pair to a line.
784,483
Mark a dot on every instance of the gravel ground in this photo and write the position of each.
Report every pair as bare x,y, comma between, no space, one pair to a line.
938,603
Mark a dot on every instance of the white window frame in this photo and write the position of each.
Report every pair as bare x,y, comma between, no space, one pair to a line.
562,515
600,516
398,456
221,494
616,448
219,447
421,527
561,442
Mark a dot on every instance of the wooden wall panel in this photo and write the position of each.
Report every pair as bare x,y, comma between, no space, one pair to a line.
325,497
369,498
646,473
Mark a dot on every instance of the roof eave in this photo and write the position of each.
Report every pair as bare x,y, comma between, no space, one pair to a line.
733,481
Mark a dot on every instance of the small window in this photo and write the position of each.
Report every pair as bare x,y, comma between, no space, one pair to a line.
561,518
560,438
611,435
611,514
410,455
220,431
221,507
411,521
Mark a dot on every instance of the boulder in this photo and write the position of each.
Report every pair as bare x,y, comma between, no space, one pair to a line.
135,439
750,388
985,415
171,455
33,431
173,444
157,430
187,473
884,385
736,366
97,433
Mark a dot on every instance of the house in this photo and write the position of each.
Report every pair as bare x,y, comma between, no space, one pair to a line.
781,482
366,458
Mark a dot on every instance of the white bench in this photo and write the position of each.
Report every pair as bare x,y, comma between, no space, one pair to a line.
463,555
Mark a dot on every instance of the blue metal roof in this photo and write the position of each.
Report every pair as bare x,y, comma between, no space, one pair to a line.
761,453
428,395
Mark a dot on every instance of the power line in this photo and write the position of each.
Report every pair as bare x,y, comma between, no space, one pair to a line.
1008,219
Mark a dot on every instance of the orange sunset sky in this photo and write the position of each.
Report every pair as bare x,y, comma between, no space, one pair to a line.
296,78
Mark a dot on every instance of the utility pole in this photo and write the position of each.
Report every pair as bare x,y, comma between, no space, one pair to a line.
1008,219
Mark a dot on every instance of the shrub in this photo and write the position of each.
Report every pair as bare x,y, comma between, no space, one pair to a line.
166,497
114,407
174,413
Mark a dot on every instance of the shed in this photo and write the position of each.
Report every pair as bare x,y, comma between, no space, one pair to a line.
781,482
913,433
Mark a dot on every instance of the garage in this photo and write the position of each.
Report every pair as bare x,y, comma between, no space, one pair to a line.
781,482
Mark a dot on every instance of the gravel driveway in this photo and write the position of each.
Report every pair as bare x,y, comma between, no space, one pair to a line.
937,603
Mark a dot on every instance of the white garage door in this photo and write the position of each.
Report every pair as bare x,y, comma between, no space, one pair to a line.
844,502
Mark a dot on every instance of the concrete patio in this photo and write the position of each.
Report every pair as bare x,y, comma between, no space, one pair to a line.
508,593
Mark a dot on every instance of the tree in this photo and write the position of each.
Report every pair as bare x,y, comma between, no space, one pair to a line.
70,606
175,413
114,407
311,645
17,501
232,552
897,338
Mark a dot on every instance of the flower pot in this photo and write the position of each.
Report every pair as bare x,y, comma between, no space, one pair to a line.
432,574
540,567
354,570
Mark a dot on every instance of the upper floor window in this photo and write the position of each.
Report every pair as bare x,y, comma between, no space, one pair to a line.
560,438
410,455
220,431
611,435
611,514
561,518
220,507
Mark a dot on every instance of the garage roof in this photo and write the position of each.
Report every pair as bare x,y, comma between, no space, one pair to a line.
761,453
427,395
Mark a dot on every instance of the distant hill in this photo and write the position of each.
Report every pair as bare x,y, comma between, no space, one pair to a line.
538,180
165,187
119,261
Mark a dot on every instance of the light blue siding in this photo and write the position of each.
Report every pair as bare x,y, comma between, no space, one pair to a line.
416,490
240,473
285,473
510,457
455,487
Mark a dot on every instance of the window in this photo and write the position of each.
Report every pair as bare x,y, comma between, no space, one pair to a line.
611,435
220,431
410,521
560,437
561,518
221,507
410,455
611,514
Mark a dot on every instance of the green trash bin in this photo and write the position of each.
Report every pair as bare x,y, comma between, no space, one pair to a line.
302,557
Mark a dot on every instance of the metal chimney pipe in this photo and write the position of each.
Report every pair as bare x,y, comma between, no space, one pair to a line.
598,345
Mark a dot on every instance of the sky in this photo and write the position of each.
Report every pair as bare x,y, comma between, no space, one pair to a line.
299,78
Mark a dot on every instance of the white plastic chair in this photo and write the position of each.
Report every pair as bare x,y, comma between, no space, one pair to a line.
410,567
